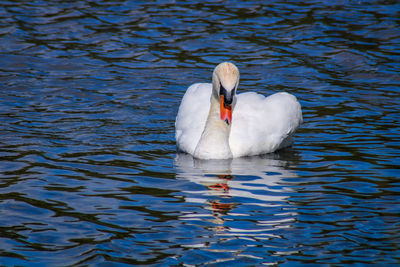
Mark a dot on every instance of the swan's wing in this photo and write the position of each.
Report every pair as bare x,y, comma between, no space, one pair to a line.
192,116
263,124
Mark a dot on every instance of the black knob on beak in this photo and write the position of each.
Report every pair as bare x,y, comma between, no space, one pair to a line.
228,95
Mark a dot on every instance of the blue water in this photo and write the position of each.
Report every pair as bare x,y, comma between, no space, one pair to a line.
89,91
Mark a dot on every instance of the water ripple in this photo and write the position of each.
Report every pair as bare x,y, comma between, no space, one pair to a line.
90,175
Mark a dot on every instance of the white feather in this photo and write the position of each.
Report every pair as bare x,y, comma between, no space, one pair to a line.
192,116
260,124
263,125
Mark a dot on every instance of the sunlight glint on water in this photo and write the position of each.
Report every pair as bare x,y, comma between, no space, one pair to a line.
89,170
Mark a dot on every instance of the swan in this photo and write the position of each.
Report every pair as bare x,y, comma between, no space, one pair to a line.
213,122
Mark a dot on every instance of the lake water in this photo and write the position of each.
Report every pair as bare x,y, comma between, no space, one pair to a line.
89,91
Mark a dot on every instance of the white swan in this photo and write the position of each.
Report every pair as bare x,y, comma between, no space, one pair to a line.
215,123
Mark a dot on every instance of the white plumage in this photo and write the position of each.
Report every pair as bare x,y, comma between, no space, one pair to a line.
259,124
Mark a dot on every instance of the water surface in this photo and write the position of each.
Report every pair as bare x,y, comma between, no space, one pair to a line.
89,169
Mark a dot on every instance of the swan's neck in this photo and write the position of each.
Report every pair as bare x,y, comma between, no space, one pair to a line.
214,141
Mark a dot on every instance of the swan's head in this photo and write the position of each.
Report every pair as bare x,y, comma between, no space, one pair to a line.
225,82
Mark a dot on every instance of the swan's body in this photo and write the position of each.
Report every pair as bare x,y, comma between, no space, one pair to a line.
250,124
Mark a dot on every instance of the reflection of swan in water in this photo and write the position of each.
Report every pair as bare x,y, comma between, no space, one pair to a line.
250,177
239,201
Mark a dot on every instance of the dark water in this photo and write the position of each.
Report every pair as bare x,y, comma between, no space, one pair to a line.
89,91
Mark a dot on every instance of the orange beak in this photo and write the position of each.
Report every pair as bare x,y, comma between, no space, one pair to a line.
226,111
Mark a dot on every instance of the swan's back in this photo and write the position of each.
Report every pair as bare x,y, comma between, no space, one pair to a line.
263,124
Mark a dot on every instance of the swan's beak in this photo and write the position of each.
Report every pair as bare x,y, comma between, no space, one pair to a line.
226,111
